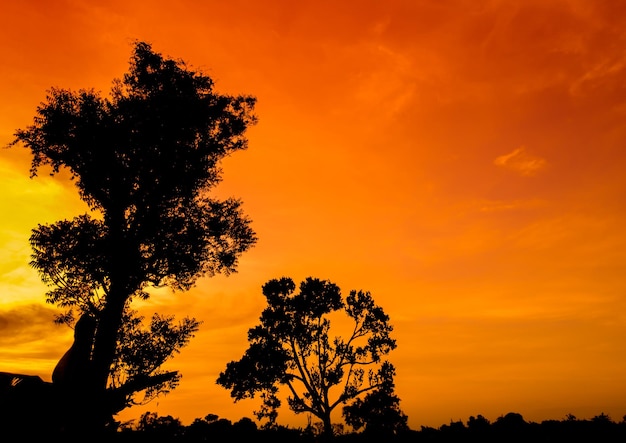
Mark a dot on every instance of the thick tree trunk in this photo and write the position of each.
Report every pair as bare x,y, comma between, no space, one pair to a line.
328,428
120,270
106,339
105,345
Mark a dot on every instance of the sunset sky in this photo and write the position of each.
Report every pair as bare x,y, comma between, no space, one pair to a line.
462,160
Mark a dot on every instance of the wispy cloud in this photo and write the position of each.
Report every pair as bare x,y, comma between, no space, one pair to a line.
521,162
513,205
603,74
26,323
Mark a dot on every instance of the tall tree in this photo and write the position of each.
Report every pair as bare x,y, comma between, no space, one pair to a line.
144,159
292,347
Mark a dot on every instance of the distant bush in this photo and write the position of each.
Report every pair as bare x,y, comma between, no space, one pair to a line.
510,428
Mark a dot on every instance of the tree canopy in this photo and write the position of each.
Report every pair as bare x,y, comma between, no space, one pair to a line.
292,347
144,159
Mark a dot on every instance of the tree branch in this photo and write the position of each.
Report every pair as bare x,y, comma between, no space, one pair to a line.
119,395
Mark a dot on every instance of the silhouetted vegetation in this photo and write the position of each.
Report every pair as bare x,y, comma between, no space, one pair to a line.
511,427
291,347
144,159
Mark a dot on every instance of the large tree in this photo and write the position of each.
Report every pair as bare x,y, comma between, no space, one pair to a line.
144,159
292,347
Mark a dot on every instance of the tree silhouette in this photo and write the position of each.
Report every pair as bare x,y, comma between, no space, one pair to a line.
154,428
292,347
144,159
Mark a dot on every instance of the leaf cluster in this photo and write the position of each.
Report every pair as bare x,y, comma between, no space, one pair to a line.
145,158
143,349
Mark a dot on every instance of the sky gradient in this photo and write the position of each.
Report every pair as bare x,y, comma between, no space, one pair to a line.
462,160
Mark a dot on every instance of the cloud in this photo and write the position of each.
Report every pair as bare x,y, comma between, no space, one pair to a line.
512,205
26,323
606,74
521,162
30,342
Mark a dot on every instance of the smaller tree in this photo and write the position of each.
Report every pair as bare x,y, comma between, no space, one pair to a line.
291,347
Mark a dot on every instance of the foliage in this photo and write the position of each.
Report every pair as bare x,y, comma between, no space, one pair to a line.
153,428
292,347
144,159
379,411
142,350
152,422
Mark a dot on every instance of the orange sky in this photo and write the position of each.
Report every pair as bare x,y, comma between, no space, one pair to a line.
462,160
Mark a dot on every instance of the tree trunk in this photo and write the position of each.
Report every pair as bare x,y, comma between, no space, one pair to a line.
106,339
328,433
96,411
120,274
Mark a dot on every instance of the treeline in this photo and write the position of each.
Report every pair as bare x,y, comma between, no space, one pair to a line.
507,428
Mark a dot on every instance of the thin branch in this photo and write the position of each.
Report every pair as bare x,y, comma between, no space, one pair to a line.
306,375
